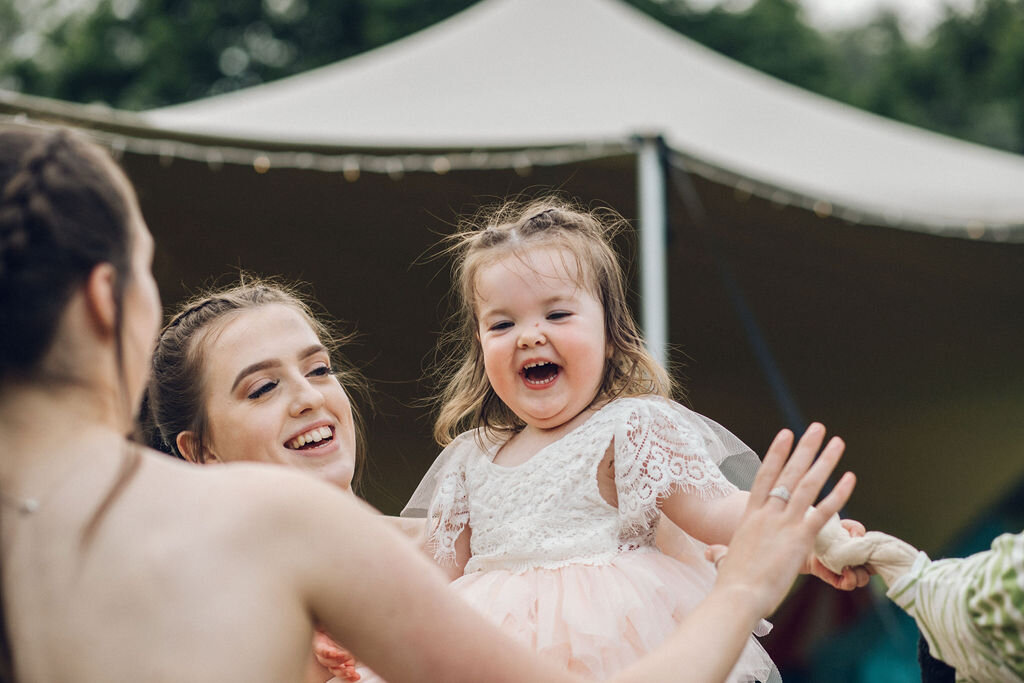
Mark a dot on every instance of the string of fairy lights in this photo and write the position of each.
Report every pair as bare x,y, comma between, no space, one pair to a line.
351,165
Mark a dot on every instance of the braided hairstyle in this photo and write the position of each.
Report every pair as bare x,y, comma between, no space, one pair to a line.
466,399
174,399
62,213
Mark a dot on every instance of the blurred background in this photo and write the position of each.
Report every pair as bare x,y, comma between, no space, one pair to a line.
823,261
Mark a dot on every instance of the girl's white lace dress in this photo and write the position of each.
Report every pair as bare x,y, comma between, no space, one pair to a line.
555,565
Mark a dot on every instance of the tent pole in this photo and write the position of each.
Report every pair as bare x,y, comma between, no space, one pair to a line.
652,241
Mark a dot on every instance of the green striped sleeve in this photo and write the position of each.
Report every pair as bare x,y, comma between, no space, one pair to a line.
971,610
995,601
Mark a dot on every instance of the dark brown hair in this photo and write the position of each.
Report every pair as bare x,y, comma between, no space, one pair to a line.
62,213
466,399
174,399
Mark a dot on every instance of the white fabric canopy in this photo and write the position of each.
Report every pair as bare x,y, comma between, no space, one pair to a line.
515,73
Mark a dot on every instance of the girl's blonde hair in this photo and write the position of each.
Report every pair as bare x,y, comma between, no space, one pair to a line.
466,399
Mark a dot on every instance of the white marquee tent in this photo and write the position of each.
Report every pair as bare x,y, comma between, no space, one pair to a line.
526,73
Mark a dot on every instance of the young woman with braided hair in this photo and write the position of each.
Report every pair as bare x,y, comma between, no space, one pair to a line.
120,564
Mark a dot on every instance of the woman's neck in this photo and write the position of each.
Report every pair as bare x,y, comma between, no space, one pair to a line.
40,417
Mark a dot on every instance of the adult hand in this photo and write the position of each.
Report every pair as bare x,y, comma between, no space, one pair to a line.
775,535
334,658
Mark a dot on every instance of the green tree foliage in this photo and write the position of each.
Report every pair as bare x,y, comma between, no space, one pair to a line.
966,78
136,54
771,36
976,69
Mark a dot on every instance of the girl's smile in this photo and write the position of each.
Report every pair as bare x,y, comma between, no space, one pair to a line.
542,335
539,373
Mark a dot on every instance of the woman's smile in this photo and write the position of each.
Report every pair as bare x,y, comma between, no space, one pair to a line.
318,438
272,397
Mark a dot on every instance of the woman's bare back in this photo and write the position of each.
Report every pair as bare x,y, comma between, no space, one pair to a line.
177,583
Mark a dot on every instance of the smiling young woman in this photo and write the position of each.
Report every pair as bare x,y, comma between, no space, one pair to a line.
248,373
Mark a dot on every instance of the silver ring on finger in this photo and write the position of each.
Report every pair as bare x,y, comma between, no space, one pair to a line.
780,492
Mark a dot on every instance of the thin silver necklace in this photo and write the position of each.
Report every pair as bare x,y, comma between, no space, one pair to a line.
29,504
24,506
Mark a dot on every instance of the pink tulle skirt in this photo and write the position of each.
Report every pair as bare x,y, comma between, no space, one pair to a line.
596,620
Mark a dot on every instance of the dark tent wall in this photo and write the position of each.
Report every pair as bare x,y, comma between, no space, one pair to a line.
906,344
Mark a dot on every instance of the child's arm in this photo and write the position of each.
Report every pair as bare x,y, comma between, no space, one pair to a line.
714,521
710,521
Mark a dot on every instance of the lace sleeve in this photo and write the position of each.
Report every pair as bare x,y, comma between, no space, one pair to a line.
659,451
448,513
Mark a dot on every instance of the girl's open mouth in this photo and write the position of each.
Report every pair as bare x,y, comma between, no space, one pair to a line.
539,374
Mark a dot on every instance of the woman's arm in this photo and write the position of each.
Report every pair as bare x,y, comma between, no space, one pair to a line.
391,606
413,528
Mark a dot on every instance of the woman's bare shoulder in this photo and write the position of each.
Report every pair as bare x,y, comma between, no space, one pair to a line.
251,491
267,523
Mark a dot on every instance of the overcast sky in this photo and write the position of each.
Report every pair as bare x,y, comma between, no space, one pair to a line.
918,15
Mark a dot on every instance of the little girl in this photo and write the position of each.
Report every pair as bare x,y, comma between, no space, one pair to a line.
547,508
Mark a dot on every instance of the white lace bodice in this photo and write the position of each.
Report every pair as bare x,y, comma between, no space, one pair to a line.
548,512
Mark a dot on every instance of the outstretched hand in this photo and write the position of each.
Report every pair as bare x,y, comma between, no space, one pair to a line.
773,540
334,658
